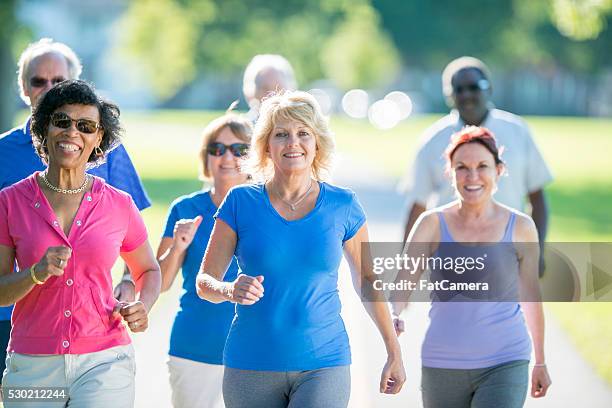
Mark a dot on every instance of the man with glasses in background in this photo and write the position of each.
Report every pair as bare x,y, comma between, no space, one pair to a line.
43,64
467,86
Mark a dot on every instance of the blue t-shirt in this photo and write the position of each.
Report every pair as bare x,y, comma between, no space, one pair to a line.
18,160
296,325
200,327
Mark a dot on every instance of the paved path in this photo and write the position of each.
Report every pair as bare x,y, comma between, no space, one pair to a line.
574,382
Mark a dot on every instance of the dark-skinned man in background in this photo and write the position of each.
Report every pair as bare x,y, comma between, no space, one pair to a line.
467,86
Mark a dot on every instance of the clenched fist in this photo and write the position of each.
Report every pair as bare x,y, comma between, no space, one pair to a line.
52,263
135,314
246,290
184,231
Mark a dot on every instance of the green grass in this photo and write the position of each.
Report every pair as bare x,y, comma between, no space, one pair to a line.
589,327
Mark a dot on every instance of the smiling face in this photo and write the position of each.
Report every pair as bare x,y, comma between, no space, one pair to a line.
226,167
70,148
468,97
43,72
474,173
292,146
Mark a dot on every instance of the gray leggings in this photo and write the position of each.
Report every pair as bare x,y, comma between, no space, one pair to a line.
500,386
326,387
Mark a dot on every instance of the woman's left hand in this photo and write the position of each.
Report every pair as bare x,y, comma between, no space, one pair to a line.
135,315
540,381
393,376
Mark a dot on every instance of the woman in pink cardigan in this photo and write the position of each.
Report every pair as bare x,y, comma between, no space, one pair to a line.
65,229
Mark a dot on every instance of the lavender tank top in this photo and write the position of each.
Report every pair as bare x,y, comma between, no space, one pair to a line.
478,334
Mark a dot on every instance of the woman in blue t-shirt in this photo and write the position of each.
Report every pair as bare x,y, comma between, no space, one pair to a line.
289,347
200,328
477,347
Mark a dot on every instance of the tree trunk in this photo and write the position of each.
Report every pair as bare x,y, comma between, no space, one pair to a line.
7,64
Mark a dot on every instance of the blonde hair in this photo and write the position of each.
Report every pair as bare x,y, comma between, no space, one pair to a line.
241,128
42,47
294,106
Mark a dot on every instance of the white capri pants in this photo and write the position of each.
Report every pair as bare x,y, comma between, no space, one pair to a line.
100,379
195,384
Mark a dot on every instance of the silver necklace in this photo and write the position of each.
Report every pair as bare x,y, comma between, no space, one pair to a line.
293,206
62,190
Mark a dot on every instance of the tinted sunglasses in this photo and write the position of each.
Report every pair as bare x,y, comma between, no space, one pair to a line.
481,85
38,82
218,149
63,121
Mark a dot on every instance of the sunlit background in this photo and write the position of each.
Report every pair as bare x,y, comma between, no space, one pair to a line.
375,67
549,57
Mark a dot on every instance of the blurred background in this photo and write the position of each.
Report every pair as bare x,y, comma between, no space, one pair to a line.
548,57
375,67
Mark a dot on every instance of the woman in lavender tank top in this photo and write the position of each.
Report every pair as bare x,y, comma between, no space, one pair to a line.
476,353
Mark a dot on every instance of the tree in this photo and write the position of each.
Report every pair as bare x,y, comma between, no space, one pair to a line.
160,35
358,53
221,36
567,33
580,20
7,64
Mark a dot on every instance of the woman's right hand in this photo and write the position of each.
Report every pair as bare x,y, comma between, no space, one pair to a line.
540,381
184,231
53,262
246,290
393,375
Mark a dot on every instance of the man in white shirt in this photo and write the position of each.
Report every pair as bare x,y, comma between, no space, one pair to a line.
466,84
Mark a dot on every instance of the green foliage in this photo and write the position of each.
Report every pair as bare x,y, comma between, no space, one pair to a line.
7,62
428,33
360,42
160,35
226,46
513,33
580,20
358,53
176,39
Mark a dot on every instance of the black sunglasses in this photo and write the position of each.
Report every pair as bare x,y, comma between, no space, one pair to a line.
63,121
38,82
218,149
481,85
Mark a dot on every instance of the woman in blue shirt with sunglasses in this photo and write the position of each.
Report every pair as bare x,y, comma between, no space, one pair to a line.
200,328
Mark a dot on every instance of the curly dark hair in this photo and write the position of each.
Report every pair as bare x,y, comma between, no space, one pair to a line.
76,92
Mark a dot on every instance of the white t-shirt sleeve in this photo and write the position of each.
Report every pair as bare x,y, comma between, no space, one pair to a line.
538,174
420,184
